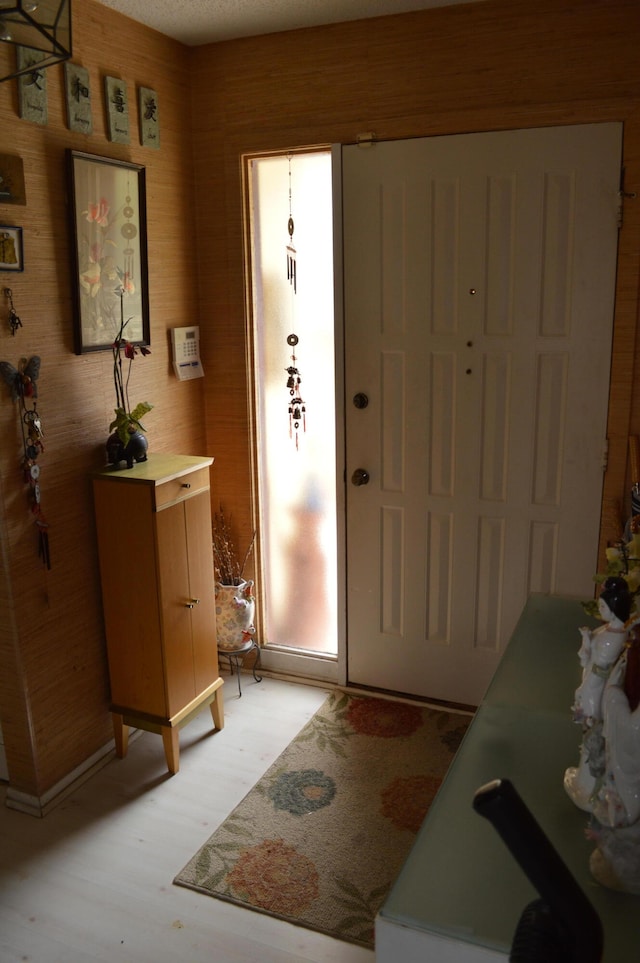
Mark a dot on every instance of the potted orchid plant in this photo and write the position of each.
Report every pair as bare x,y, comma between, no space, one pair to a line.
126,443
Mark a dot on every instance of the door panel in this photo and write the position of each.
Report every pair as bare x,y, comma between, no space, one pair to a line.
201,578
176,619
479,277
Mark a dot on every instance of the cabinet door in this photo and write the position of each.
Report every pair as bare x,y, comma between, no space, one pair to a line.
130,595
185,560
175,598
201,586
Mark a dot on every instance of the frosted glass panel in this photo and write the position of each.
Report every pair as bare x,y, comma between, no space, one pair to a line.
296,480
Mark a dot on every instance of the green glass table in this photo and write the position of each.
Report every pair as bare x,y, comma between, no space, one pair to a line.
460,893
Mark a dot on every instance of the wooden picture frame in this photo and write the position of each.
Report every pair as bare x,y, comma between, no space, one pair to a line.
109,251
12,189
11,252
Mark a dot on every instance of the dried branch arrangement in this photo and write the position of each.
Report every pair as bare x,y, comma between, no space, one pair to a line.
228,569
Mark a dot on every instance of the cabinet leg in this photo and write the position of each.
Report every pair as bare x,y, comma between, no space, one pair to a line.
171,741
120,734
217,709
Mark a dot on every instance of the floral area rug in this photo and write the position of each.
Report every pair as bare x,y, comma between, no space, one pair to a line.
322,836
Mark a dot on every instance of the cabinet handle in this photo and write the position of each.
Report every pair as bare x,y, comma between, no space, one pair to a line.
192,603
186,485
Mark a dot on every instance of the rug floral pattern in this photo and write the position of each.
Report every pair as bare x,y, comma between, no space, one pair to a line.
324,833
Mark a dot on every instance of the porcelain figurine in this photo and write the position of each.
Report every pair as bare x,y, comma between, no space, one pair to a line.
616,805
599,652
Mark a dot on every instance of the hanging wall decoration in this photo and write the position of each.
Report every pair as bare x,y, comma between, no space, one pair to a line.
117,110
14,320
78,95
149,118
22,383
32,86
297,407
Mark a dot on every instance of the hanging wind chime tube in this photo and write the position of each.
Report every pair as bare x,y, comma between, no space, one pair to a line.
297,407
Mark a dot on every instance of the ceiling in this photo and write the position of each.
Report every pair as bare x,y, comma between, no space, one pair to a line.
196,22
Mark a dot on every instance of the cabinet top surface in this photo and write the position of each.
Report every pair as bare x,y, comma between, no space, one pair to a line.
157,469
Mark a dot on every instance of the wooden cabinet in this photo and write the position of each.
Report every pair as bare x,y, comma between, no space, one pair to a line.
156,567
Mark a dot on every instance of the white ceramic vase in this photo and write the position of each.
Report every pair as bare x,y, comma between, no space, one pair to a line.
235,614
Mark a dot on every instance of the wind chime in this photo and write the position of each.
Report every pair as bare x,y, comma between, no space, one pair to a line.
297,408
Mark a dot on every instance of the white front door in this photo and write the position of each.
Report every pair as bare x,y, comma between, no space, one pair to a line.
479,279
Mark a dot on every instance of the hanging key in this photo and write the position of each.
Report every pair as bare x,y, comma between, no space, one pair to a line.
14,320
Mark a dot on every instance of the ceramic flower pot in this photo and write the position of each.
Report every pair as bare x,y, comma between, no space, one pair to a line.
135,449
235,613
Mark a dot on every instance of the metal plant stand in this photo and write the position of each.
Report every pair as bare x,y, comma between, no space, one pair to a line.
235,657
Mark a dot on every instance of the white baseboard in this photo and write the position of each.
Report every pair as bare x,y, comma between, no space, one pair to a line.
41,805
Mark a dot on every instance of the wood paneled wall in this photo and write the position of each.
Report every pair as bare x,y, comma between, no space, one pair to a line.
499,64
53,675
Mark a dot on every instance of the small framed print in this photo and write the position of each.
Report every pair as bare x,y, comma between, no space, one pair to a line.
11,256
12,189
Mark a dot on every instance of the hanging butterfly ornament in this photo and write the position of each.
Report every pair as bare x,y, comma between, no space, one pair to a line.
297,407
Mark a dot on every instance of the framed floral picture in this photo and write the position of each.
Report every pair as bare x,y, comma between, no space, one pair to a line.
109,251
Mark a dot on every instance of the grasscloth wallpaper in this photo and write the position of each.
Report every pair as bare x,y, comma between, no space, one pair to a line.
495,65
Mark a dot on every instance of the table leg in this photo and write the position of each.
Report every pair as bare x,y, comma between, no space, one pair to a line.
217,709
120,734
171,742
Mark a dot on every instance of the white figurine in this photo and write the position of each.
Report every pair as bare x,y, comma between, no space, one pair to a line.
618,799
616,806
598,653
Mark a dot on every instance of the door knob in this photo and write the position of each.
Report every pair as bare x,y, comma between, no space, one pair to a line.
360,477
191,604
360,400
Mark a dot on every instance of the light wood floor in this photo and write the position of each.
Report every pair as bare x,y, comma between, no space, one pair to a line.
92,881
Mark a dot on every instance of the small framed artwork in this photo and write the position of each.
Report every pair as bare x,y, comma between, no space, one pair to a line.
12,190
11,256
109,251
